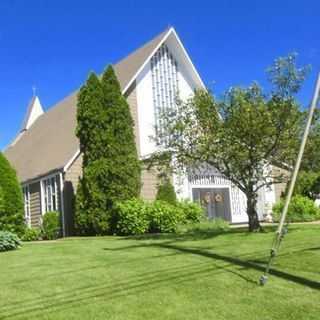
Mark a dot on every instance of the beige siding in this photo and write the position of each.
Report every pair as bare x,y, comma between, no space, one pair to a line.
74,172
133,104
149,184
71,180
35,203
280,188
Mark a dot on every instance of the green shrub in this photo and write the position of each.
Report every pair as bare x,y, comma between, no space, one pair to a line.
11,207
192,212
51,225
131,217
9,241
31,234
163,217
218,224
301,209
206,226
165,192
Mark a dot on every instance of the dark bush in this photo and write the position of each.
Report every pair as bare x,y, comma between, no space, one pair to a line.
166,192
131,217
163,217
31,234
301,209
192,212
11,208
51,225
9,241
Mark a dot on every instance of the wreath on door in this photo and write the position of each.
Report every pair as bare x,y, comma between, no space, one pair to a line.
218,198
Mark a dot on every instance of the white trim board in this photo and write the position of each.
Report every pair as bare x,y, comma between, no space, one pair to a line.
165,37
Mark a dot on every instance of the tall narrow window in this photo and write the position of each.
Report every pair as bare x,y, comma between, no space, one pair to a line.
27,210
50,193
164,71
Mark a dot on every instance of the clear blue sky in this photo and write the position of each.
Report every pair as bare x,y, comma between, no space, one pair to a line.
54,44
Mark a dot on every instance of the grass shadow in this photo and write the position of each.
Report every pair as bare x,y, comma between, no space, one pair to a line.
119,290
247,264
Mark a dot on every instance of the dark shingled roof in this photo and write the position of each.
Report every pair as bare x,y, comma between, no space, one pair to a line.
51,142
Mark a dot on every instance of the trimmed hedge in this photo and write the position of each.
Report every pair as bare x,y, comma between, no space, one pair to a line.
301,209
131,217
51,225
9,241
164,217
134,217
192,211
11,199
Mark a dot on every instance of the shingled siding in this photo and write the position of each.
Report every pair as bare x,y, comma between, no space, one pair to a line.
35,204
149,184
74,172
131,96
71,180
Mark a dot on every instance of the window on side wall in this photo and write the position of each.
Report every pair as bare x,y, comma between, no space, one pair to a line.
50,194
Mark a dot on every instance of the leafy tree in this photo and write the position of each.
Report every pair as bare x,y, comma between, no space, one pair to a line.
11,199
242,136
111,169
311,157
308,184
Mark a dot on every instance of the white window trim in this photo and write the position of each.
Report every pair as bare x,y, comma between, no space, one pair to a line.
62,203
44,208
27,204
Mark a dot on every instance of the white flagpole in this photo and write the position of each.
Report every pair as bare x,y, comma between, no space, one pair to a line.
279,232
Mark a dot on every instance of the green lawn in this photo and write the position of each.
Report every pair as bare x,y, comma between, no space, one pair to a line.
192,276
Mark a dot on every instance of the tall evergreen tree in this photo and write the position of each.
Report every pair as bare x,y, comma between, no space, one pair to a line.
111,169
11,199
125,171
92,121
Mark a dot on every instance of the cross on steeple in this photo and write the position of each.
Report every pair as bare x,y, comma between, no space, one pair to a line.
34,89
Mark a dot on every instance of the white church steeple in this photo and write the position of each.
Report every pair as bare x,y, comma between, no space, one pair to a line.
33,113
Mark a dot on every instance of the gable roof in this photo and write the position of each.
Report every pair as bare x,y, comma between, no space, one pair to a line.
50,143
127,68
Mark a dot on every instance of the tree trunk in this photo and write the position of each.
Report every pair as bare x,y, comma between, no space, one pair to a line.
254,224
